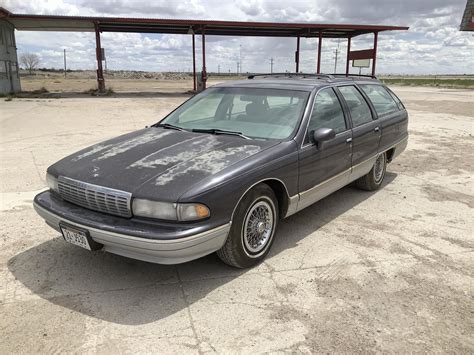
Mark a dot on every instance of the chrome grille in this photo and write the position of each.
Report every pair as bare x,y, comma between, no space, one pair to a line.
94,197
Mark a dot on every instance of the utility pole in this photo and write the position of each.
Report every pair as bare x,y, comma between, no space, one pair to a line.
218,69
65,68
237,67
271,65
335,59
240,58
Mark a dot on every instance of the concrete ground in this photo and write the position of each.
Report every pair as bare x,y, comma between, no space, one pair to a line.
390,271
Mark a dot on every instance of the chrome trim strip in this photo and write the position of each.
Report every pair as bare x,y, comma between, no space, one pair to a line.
324,182
324,189
393,145
365,161
292,205
363,167
44,212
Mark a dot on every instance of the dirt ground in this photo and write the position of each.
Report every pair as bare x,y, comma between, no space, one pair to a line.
78,84
390,271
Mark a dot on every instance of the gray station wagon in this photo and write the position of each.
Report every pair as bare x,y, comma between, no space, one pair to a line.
220,171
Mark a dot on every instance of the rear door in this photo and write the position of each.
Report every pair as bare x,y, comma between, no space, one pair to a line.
391,114
325,170
366,131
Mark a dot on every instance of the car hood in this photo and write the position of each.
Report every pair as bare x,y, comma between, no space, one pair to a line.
157,163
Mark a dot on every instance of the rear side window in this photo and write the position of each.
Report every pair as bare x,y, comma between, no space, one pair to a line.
358,107
327,112
397,100
381,99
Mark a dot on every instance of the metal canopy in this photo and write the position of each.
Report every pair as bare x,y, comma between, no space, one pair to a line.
26,22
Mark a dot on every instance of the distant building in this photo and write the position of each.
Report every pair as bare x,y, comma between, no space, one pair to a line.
467,23
9,73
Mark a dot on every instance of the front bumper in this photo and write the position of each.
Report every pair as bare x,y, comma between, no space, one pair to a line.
142,241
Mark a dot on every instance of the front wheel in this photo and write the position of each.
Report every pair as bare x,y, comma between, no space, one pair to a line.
253,228
373,180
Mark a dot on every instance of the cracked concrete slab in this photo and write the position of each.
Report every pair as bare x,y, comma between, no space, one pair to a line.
358,272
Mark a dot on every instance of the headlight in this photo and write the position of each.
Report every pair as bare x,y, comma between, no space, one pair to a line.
170,211
52,182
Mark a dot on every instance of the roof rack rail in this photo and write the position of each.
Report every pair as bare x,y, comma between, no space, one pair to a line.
329,77
291,75
356,75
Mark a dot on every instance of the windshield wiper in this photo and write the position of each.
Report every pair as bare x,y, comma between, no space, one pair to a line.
169,126
219,131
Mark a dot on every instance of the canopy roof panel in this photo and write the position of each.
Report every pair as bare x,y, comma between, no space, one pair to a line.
27,22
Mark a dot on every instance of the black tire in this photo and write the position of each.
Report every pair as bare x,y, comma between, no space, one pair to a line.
237,250
374,179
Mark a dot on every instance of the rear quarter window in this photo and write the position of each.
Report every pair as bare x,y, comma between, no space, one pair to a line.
397,100
381,99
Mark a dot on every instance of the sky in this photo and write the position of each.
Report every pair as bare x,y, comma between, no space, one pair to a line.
433,45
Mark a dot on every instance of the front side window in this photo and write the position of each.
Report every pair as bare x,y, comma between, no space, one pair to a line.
381,99
254,112
327,113
358,107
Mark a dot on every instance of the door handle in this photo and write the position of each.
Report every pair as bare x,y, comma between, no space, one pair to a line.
376,129
348,140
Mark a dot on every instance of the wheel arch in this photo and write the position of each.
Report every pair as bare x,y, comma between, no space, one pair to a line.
279,189
390,154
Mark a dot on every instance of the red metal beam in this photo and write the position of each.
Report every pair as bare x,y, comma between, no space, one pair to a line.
297,54
348,55
376,36
320,42
98,54
241,25
362,54
194,63
204,75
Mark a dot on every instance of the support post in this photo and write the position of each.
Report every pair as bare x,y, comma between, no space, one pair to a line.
320,42
194,63
376,35
204,75
98,54
348,54
65,66
297,54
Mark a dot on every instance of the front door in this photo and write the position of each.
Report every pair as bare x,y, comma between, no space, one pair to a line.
366,131
327,169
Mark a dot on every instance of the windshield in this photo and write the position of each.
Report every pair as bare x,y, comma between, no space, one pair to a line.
255,113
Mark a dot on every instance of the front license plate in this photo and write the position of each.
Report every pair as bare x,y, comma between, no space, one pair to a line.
76,236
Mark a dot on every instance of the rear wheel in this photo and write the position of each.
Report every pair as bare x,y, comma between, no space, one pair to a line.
253,228
373,180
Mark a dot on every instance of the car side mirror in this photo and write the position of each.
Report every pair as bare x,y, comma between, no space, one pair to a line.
322,135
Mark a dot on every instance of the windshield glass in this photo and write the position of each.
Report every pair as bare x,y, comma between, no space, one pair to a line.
256,113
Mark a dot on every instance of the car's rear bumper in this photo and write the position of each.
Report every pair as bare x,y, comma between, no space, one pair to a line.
158,247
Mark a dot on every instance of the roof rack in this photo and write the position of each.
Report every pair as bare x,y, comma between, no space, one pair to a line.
292,75
356,75
329,77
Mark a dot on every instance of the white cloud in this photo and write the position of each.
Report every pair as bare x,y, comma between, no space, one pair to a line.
433,44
